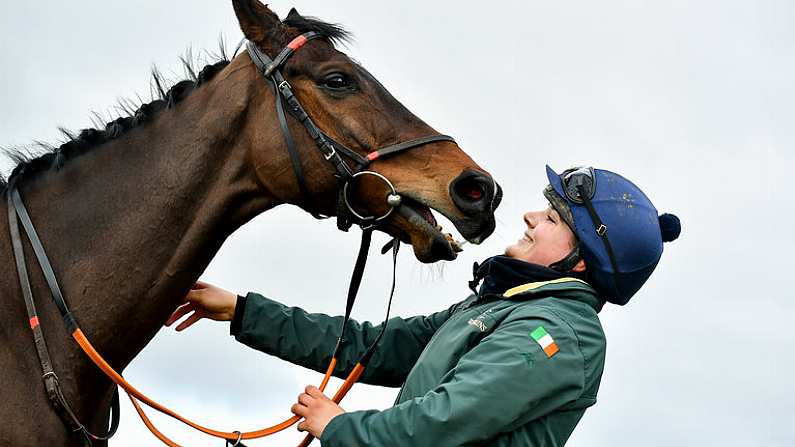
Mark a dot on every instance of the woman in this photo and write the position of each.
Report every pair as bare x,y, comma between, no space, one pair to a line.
514,364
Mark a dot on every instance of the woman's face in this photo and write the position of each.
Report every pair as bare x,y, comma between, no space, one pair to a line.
546,240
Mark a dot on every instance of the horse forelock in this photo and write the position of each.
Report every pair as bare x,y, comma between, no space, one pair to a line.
335,33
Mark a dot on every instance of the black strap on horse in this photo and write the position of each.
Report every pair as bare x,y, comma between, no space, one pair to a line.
328,147
356,279
18,213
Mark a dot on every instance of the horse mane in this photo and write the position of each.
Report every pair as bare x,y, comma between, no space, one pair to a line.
41,156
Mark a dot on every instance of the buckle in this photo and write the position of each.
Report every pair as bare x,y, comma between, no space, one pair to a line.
284,85
49,375
602,230
331,153
237,441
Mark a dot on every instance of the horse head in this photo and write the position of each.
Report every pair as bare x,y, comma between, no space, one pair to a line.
351,107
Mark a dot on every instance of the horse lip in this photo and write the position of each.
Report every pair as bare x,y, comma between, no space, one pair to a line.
440,248
474,234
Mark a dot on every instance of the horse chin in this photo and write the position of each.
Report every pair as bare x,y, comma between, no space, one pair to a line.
430,244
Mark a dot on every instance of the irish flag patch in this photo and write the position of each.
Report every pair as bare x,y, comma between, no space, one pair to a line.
545,340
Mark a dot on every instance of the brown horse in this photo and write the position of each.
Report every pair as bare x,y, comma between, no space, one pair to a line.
132,214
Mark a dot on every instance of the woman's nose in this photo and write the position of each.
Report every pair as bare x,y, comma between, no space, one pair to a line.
529,219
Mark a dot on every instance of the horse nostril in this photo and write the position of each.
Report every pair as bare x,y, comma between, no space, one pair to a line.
472,192
470,189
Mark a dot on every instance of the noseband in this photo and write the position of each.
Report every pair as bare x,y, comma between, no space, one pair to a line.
329,148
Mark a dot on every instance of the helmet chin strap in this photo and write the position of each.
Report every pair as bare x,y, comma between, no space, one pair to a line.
566,264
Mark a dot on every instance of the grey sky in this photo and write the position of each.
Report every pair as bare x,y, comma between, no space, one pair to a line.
691,100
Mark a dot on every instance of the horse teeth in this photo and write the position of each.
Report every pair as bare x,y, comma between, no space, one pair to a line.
454,244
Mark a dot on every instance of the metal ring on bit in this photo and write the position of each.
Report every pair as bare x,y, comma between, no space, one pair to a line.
393,199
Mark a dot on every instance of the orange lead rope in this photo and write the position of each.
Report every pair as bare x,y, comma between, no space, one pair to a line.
17,208
353,377
357,371
136,395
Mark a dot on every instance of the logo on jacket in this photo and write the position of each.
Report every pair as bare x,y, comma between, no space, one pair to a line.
547,343
478,322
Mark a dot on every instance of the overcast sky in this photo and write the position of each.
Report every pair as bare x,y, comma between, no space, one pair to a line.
693,101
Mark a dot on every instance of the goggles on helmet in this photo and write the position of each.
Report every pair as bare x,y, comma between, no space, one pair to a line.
576,177
579,184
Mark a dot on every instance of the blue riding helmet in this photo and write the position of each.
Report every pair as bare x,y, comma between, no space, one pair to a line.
619,232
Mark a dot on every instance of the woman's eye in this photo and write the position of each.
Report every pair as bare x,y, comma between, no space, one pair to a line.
337,81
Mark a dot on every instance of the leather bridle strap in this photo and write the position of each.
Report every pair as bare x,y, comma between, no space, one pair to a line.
353,288
395,148
360,366
282,92
17,212
328,147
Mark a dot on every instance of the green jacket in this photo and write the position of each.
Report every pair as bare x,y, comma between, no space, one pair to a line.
473,374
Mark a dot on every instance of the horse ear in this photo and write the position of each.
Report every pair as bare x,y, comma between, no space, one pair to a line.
293,14
257,22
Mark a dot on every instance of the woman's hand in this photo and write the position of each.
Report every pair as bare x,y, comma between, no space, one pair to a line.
316,409
205,301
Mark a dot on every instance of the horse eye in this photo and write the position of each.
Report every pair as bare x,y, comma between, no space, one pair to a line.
337,81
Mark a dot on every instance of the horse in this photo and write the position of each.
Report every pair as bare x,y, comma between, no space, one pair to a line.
131,214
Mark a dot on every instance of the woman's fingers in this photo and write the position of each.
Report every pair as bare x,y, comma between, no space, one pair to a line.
314,392
196,316
304,399
180,312
200,285
205,301
299,410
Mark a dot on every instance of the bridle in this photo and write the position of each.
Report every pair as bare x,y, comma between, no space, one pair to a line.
330,149
346,216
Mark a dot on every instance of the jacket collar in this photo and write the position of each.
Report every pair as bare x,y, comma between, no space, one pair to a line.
566,287
500,273
507,278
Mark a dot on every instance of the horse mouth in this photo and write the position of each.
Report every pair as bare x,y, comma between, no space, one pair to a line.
440,245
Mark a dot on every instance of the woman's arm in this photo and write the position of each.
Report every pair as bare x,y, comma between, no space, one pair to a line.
308,339
503,383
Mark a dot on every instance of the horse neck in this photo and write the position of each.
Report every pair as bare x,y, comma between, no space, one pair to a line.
129,227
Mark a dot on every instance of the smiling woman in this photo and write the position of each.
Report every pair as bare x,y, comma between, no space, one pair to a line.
546,241
468,375
158,191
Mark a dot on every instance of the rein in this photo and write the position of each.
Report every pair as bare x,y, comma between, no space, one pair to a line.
17,212
346,216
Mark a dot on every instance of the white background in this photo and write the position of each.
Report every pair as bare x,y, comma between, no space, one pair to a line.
691,100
